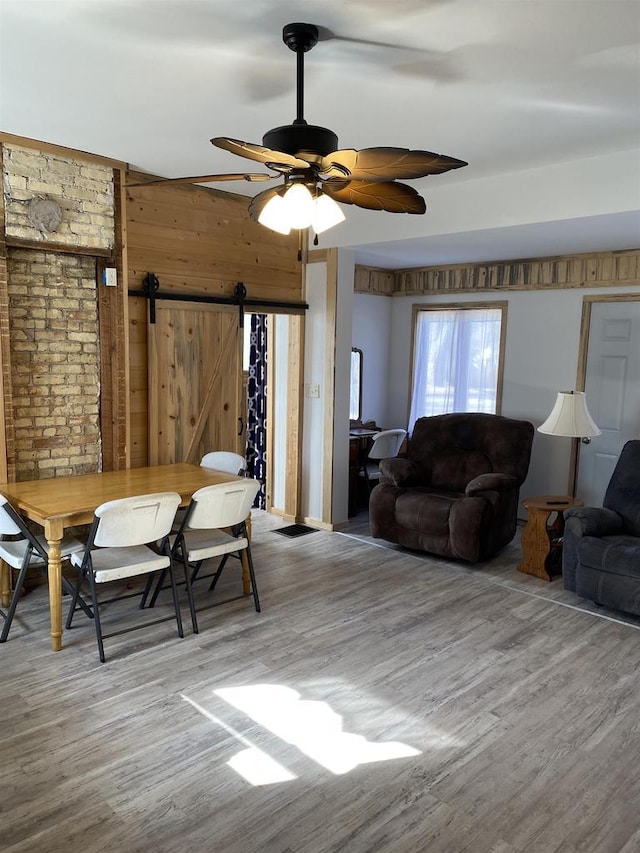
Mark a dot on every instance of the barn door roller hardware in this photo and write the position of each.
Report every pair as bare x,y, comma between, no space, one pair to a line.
151,291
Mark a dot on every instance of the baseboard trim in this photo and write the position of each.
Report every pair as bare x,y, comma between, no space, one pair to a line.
282,514
319,525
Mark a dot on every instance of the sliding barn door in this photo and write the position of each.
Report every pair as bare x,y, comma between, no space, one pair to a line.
195,382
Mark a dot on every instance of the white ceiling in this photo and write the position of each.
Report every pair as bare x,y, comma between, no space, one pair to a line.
525,90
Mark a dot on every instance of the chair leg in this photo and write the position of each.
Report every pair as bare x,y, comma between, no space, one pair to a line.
160,583
216,577
74,600
147,590
252,575
79,601
96,611
176,605
14,600
188,581
22,576
156,591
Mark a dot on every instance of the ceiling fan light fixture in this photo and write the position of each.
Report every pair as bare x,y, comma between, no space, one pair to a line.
299,206
326,214
274,215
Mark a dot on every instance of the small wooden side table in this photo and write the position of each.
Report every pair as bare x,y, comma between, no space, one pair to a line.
541,538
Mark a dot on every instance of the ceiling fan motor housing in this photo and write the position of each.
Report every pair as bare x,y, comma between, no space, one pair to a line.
301,137
300,37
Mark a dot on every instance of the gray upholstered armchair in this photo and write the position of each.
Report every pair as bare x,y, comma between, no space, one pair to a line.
601,548
456,494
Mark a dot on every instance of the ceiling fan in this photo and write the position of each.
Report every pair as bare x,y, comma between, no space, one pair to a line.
317,174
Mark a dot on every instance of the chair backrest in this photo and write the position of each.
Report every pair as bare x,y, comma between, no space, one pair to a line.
387,444
623,491
222,505
12,524
452,449
136,520
9,524
224,460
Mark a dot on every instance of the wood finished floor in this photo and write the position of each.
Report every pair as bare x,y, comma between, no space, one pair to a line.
520,708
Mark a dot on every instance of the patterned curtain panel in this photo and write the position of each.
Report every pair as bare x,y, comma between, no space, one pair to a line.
257,405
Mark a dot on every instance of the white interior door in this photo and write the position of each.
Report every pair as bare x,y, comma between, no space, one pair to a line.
612,388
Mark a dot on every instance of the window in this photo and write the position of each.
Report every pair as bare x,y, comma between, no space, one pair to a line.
355,399
457,359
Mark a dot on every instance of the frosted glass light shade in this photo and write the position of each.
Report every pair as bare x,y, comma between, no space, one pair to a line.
326,214
274,215
570,417
299,206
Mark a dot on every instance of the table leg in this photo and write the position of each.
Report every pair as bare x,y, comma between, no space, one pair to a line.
535,544
246,579
55,591
5,583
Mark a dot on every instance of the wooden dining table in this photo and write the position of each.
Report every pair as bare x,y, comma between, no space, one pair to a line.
59,503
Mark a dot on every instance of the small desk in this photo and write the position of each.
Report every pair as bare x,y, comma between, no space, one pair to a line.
62,502
541,541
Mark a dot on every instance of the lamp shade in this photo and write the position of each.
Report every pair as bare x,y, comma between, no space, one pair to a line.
299,206
274,215
326,214
298,209
570,417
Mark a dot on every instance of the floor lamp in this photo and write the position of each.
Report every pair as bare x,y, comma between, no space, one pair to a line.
570,417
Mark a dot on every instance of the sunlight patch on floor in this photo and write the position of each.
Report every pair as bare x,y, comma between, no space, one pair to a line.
311,726
251,763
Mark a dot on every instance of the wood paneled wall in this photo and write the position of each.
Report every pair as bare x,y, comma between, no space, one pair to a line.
381,282
198,241
600,269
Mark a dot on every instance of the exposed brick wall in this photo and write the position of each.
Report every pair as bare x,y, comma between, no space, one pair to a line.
53,320
84,191
7,469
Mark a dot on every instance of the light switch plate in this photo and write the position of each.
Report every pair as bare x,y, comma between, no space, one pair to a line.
110,276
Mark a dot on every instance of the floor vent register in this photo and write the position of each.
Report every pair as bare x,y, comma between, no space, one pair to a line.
294,530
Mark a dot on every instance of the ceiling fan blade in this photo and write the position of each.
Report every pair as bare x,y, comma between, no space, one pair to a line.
384,164
259,201
439,66
326,34
389,196
276,160
206,179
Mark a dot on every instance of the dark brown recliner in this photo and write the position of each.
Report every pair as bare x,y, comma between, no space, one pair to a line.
456,494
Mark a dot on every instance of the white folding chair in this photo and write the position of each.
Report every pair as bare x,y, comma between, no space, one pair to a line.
224,460
23,551
220,460
386,445
215,526
118,547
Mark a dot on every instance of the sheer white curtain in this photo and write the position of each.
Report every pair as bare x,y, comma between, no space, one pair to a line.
456,358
